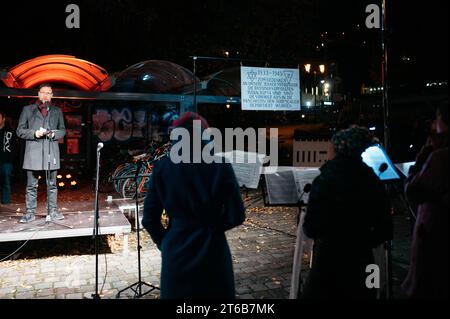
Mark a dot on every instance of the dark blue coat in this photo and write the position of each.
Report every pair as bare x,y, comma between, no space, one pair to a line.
202,201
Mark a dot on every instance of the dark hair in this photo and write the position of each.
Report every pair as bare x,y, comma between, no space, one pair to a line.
442,111
47,85
3,114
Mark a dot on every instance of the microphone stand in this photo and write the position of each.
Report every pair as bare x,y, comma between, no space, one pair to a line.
300,205
137,286
387,245
96,222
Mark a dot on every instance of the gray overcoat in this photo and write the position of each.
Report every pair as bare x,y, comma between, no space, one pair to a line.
37,156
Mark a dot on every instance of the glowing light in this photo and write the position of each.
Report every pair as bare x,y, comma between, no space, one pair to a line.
68,176
64,69
322,68
59,176
308,67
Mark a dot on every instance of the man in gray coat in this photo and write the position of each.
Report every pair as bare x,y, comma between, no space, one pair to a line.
41,125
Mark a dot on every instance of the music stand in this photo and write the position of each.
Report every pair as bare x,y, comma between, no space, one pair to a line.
281,180
137,286
377,158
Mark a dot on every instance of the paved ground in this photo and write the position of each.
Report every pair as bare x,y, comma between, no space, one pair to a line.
262,251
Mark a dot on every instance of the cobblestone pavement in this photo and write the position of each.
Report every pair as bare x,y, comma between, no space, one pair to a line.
262,250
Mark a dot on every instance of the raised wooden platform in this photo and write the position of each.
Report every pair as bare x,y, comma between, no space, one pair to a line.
78,221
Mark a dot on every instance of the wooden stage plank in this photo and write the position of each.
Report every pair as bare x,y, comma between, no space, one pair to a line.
81,223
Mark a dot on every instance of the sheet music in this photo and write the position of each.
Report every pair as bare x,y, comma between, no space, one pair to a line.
275,169
404,167
374,157
247,167
281,188
302,177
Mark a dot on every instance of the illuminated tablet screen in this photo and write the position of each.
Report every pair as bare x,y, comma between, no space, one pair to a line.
376,158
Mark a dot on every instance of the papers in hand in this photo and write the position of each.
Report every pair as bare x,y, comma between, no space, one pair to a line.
375,157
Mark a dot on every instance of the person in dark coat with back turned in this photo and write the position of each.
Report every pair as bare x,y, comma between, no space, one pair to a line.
41,125
202,201
347,216
427,188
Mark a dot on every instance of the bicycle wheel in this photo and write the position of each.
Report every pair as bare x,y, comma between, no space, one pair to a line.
128,188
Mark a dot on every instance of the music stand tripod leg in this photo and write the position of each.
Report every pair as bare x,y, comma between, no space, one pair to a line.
137,286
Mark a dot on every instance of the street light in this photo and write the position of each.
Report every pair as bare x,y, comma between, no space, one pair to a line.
309,68
322,68
326,89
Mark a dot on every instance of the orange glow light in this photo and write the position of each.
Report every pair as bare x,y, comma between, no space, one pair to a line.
65,69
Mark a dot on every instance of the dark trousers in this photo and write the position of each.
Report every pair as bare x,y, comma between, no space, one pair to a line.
32,187
5,179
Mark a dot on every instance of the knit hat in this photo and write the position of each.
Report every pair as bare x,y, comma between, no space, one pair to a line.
351,142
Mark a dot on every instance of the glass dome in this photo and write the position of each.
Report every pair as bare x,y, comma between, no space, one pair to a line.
154,76
225,83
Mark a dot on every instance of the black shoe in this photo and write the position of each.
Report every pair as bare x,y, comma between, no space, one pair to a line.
28,217
56,216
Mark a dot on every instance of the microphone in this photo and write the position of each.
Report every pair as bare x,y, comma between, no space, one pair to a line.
306,190
383,167
99,146
301,202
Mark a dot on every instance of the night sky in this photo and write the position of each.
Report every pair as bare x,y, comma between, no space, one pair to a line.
115,34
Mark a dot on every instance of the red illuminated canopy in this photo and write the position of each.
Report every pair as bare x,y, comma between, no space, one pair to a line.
65,69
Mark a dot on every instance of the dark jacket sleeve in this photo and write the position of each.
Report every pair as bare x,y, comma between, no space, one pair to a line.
233,211
60,128
153,210
316,221
23,131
